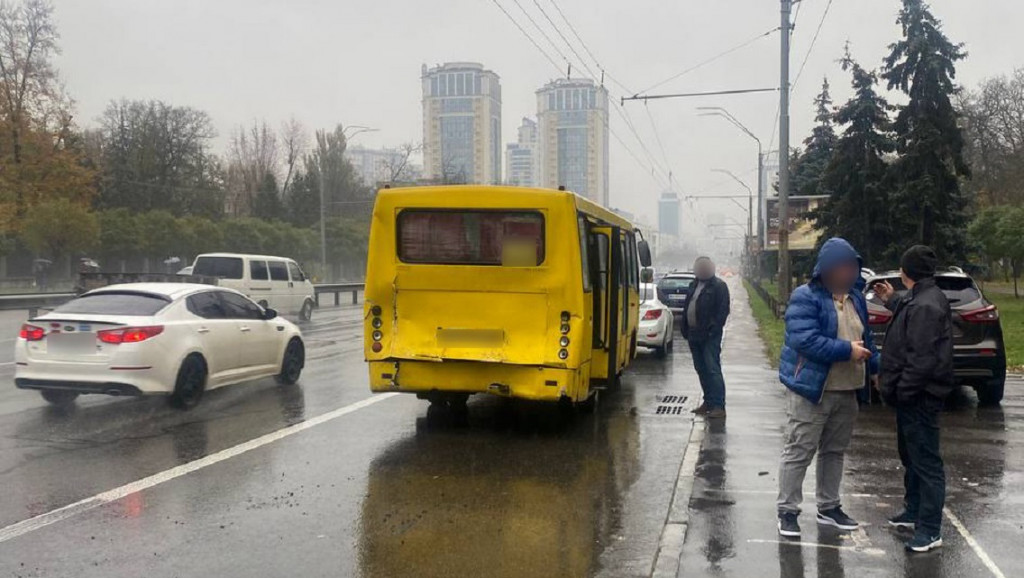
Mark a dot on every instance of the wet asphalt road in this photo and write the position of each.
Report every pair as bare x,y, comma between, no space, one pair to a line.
376,489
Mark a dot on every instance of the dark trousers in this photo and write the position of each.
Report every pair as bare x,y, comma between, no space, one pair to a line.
707,360
924,480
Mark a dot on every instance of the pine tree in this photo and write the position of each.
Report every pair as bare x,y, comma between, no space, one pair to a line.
928,205
267,204
856,177
809,165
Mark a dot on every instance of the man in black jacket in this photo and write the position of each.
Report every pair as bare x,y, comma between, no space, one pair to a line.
917,375
705,311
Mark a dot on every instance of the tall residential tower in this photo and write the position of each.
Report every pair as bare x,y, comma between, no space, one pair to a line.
461,123
521,156
572,116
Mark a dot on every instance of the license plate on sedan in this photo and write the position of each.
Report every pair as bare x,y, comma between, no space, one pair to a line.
71,343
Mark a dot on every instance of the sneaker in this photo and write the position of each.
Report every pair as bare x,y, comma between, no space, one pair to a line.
838,518
788,525
701,409
715,413
923,543
903,522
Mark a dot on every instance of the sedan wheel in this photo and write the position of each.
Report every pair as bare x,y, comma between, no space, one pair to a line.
191,383
293,362
58,397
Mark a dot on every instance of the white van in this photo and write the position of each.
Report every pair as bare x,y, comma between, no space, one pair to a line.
275,282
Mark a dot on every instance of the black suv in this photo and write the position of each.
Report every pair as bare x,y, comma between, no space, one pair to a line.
674,288
979,357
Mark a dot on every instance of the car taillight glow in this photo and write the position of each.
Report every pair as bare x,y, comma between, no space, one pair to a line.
129,334
984,315
652,314
32,333
878,318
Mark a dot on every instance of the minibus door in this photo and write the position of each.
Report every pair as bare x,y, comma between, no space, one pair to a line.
607,298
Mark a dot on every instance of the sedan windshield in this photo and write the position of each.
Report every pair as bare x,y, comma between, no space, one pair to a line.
111,303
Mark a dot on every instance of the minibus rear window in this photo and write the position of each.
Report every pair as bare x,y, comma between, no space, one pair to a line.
508,238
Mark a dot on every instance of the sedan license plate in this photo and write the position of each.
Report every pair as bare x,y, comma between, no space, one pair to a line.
677,297
71,343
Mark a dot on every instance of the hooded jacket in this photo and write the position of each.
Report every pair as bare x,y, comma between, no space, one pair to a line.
811,345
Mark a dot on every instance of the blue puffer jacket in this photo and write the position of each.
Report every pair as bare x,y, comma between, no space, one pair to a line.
811,346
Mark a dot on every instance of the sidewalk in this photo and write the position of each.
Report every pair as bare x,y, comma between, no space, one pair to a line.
731,522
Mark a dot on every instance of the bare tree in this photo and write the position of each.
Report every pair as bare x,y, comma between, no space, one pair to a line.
395,167
993,122
253,156
294,140
28,80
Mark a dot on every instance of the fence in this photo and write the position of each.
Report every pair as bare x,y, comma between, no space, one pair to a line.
777,307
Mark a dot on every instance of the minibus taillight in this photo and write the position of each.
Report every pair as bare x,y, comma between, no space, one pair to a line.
31,333
377,335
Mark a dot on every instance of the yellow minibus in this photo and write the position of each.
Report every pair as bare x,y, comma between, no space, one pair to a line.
519,292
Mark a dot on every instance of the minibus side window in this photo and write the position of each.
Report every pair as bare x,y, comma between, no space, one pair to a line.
634,271
588,285
258,271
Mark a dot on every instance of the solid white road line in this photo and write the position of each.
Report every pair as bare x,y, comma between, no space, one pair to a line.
42,520
870,551
982,555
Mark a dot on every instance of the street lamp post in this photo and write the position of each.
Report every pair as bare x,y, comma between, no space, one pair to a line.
322,145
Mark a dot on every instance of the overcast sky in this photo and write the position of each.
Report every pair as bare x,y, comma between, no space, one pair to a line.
358,63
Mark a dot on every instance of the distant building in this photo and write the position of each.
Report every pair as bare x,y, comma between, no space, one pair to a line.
521,157
374,166
572,118
669,213
461,123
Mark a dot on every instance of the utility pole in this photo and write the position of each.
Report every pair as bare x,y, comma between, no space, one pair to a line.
785,279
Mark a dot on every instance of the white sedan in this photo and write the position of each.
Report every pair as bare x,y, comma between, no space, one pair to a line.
656,322
176,339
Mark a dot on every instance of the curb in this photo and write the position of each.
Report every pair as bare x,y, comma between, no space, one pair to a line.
673,535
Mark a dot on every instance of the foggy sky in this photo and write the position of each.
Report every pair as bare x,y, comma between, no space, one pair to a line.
358,63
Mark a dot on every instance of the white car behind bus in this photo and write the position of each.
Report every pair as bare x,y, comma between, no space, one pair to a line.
275,282
176,339
656,322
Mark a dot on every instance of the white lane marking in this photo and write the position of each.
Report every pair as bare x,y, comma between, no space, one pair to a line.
42,520
7,363
982,555
871,551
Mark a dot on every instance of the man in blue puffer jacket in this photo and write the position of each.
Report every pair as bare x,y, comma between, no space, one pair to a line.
827,357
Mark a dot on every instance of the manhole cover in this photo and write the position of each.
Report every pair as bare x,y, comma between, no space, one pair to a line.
673,399
669,410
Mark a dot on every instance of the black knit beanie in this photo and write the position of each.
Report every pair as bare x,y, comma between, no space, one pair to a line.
919,262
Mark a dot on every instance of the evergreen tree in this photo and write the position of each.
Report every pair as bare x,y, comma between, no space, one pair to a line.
928,205
808,166
267,204
856,176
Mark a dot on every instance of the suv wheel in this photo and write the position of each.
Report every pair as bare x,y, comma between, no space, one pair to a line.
991,392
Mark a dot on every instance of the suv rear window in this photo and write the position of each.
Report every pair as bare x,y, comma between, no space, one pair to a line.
220,267
669,283
115,303
509,238
957,289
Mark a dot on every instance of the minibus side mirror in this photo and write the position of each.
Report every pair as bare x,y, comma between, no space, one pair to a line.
647,275
645,252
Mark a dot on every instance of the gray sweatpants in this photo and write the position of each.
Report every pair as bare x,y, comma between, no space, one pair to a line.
825,429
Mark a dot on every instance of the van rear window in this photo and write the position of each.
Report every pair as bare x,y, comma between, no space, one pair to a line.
509,238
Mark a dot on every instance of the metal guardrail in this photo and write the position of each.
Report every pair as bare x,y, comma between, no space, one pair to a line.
337,289
33,302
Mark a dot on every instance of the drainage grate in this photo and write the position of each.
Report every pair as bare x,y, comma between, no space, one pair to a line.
669,410
673,399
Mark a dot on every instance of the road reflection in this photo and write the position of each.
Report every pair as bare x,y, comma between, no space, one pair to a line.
483,500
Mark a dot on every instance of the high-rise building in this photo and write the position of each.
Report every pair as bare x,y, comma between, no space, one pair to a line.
668,214
461,123
521,156
572,118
